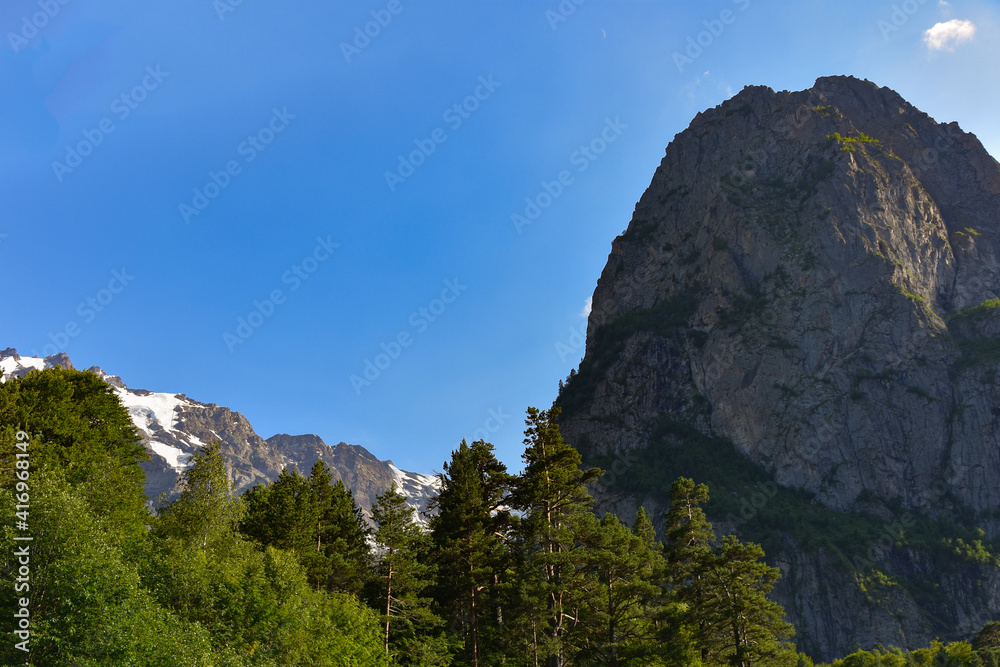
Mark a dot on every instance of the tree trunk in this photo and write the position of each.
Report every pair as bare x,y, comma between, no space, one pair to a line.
388,607
613,658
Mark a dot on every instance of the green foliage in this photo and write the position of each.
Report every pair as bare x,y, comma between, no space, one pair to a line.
268,579
976,352
723,588
972,311
750,624
77,425
76,420
851,143
256,603
87,604
342,560
205,513
955,654
974,551
688,550
745,496
318,520
625,569
914,297
988,637
281,514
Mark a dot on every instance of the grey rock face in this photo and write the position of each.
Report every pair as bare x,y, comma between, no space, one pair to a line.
793,281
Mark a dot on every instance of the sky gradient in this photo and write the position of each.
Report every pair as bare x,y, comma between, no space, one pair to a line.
322,217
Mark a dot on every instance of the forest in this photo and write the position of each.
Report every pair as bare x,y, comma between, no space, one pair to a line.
504,569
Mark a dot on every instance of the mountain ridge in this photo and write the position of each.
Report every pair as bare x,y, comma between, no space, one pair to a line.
174,426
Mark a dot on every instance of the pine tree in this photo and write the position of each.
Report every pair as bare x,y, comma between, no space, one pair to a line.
316,519
469,531
281,514
753,625
723,589
624,566
402,575
688,550
342,540
553,495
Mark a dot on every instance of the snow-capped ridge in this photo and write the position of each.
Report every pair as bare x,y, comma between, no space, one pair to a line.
174,427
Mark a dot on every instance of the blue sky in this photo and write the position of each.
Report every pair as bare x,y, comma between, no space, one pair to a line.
168,169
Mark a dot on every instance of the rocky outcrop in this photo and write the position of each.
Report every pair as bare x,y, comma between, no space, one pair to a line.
808,277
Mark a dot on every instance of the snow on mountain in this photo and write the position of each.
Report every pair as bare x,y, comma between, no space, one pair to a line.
173,427
14,365
417,487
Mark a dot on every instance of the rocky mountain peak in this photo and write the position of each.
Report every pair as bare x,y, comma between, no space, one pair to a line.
811,278
801,242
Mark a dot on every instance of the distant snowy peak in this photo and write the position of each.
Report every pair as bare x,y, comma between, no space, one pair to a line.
173,427
156,416
14,365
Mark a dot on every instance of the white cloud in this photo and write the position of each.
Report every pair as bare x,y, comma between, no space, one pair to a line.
587,307
946,36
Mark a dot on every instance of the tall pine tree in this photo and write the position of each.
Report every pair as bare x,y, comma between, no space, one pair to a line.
553,495
751,626
402,576
722,589
342,541
625,567
688,550
469,531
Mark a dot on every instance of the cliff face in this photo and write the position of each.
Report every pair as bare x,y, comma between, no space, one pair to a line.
808,278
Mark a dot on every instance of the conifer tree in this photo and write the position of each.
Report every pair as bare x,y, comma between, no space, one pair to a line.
723,588
402,575
625,567
688,550
753,625
469,531
316,519
281,514
341,539
553,495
